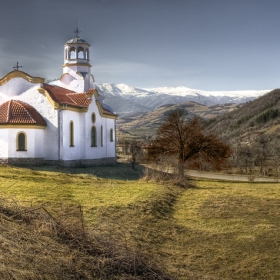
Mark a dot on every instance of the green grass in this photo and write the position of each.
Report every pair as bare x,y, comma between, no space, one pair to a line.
232,230
213,230
75,187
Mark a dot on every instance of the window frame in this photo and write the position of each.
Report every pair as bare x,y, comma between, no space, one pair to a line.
71,134
111,135
93,118
101,136
18,145
93,140
80,53
72,53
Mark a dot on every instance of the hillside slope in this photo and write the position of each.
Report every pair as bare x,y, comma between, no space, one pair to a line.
145,125
261,116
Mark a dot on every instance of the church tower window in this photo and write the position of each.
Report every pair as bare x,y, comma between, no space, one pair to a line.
71,132
72,52
77,61
21,142
65,53
81,53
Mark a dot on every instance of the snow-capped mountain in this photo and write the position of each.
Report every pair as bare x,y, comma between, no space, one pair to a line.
125,99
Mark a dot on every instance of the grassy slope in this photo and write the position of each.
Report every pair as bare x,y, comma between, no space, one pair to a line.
215,230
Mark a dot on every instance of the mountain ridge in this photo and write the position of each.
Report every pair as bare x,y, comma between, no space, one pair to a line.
125,99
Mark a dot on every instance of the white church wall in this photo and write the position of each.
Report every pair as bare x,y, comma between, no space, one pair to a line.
34,143
4,142
111,147
39,143
108,147
82,135
16,87
72,83
66,80
68,152
50,115
72,79
91,81
73,69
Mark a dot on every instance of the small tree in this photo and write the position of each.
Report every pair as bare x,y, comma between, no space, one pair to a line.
135,152
183,138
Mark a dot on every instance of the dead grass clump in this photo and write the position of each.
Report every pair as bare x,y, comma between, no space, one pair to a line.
36,244
165,176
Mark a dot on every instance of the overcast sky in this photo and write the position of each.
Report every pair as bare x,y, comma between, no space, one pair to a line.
201,44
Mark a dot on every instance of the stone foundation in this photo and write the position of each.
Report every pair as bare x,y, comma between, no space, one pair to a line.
22,161
88,162
3,160
64,163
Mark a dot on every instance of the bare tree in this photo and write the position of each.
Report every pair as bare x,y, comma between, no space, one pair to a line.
274,154
183,138
135,152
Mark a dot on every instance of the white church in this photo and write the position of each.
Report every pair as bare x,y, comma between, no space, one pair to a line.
65,123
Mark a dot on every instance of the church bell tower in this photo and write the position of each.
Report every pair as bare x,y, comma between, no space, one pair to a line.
76,67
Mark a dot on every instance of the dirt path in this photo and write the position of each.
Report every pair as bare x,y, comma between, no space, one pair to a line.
229,177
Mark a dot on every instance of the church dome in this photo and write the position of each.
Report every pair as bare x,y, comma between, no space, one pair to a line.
76,40
18,112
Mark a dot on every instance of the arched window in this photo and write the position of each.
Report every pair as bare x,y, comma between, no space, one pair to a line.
93,137
101,135
71,134
93,118
65,53
87,54
72,53
111,135
21,142
81,53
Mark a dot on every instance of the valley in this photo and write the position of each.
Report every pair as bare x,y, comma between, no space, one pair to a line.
144,125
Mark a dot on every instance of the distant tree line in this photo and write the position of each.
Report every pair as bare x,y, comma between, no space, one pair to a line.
261,157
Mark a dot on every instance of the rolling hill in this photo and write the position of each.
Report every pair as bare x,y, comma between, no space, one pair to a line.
138,125
232,122
255,118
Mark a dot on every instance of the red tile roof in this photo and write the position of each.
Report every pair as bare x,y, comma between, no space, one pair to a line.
69,97
18,112
66,96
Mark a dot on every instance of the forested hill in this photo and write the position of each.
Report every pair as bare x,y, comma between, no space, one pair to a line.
144,126
258,117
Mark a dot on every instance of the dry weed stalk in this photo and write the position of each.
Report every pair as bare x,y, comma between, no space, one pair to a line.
36,244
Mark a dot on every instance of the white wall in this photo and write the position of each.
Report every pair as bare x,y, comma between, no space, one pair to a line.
50,115
67,152
74,81
4,141
47,140
34,140
15,87
82,135
108,148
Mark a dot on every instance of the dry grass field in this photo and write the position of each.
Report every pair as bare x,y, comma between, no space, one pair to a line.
55,222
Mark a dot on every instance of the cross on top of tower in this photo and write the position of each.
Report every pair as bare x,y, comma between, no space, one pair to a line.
77,31
16,67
